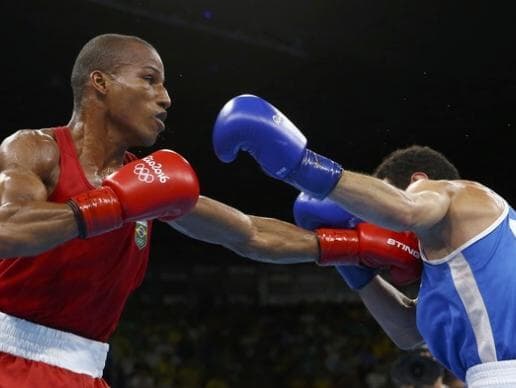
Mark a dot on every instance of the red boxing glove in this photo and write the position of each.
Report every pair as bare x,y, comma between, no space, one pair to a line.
372,246
162,184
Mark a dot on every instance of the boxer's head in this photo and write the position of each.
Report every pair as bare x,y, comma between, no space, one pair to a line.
123,76
401,166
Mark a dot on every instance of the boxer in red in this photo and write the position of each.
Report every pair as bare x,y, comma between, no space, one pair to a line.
76,212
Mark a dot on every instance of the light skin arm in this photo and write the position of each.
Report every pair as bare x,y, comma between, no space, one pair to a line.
420,208
263,239
28,223
417,209
394,312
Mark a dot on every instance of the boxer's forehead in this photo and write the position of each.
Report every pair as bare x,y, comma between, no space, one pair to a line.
142,56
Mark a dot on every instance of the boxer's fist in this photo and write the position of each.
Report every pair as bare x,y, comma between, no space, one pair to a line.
358,249
375,247
162,184
251,124
311,213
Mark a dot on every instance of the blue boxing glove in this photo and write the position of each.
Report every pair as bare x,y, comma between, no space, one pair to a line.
311,214
251,124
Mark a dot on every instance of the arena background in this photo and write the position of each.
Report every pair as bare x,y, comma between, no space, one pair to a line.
359,77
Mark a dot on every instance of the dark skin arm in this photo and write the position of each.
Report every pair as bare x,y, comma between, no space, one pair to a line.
29,224
274,241
263,239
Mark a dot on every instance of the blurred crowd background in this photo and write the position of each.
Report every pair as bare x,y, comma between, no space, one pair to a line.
316,345
219,326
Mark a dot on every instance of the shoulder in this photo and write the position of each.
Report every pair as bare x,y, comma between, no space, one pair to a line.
444,187
458,191
469,200
483,199
32,149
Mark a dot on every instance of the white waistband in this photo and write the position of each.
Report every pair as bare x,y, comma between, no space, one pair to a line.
54,347
492,374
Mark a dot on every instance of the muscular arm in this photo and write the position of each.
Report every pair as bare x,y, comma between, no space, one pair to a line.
273,241
28,223
394,312
262,239
417,209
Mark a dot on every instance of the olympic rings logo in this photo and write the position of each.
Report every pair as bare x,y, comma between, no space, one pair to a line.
143,173
147,173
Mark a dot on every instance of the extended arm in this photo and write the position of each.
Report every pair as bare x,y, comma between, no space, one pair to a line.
250,123
28,223
418,208
259,238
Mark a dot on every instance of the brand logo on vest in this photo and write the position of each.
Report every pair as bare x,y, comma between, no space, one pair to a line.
140,234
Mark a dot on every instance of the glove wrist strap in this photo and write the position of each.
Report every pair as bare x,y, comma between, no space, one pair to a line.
338,246
315,175
96,211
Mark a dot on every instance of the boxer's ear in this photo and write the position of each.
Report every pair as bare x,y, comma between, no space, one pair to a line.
99,81
417,176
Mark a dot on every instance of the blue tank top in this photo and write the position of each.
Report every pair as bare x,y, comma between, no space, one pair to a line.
466,309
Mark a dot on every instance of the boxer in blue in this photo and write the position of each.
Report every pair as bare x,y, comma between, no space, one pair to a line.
466,232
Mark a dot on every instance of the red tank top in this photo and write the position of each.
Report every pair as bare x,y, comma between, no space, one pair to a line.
80,286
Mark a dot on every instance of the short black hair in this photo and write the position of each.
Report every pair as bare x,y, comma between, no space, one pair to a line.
399,166
103,52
